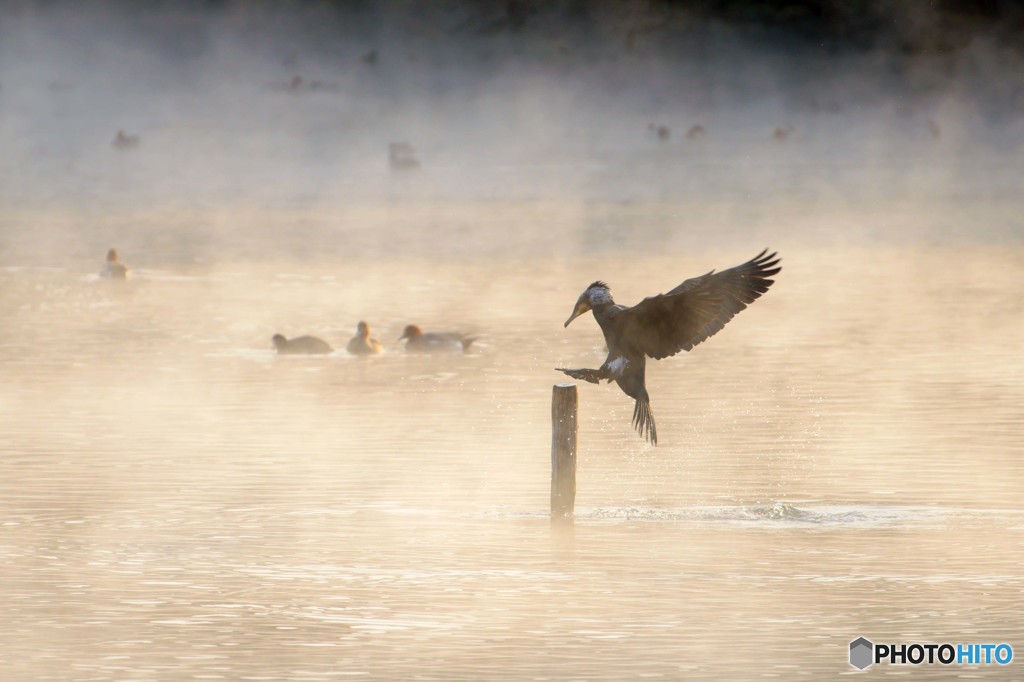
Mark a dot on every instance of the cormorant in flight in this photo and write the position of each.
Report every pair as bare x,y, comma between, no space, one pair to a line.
663,325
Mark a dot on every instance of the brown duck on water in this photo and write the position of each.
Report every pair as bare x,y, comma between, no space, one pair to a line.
663,325
114,268
362,344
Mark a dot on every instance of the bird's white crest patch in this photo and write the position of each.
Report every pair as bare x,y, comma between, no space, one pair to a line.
599,295
618,365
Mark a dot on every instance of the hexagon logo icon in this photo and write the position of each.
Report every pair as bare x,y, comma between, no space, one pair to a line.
862,653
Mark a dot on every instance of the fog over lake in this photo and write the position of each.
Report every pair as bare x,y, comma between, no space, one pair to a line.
843,459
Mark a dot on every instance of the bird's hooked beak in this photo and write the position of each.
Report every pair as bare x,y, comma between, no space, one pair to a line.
582,306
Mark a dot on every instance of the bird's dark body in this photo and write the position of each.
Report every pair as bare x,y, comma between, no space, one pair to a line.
631,378
663,325
302,345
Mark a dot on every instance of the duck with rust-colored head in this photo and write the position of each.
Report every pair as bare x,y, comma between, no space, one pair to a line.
300,345
435,342
114,268
362,344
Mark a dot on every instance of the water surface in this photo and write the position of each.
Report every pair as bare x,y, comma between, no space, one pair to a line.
177,502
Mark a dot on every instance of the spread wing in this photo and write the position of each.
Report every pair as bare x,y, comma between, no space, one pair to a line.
663,325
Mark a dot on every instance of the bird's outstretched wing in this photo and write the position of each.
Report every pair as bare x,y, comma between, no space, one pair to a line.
663,325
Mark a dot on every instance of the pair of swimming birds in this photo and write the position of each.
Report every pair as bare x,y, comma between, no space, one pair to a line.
663,325
364,344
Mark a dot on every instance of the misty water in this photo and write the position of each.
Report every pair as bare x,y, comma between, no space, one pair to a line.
179,502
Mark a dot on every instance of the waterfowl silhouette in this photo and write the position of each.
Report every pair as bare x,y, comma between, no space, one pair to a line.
663,132
362,344
663,325
301,345
782,134
435,342
401,157
125,141
696,132
114,269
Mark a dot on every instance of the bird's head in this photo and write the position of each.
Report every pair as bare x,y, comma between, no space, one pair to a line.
411,332
596,294
363,329
279,341
112,256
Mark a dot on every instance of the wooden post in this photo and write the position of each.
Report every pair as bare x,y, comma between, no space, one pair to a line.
563,451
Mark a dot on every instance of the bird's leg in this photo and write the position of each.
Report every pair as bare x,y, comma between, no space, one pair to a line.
592,375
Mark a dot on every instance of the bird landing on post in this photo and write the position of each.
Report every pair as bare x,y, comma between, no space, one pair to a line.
663,325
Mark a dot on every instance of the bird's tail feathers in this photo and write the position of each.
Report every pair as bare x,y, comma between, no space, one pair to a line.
643,421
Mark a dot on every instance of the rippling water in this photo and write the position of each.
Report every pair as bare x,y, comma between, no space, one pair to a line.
177,502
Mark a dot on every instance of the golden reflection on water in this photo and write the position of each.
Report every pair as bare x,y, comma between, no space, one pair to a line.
176,501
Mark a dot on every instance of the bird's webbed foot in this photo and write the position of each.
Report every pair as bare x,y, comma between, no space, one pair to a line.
592,375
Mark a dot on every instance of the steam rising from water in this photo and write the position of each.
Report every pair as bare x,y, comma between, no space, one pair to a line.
554,110
175,499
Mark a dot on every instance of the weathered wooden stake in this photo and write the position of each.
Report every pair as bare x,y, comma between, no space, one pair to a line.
563,450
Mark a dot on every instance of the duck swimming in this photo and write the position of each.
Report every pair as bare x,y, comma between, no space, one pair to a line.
663,132
401,157
663,325
301,345
782,134
435,342
124,141
114,269
362,344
